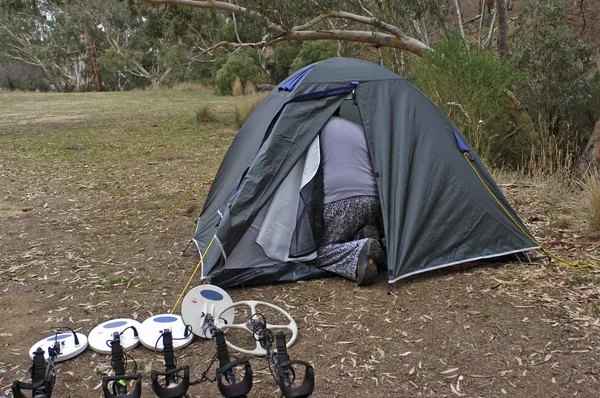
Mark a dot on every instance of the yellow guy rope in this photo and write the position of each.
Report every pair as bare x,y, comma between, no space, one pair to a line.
561,261
193,274
206,177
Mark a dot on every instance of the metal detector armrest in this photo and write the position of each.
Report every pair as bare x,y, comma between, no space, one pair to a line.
303,390
171,392
240,389
18,386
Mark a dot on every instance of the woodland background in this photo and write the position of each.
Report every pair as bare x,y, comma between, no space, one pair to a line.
519,78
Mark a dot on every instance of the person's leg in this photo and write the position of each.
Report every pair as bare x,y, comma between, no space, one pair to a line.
340,258
376,250
344,218
341,252
373,229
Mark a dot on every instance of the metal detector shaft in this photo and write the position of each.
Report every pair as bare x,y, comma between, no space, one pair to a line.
231,389
119,380
282,363
171,388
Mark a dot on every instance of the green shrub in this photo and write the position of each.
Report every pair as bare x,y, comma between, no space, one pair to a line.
313,51
473,86
240,64
561,89
24,84
282,59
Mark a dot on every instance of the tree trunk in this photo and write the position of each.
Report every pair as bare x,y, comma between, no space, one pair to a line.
80,80
502,27
94,61
460,24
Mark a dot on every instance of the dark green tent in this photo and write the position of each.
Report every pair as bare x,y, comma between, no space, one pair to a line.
440,205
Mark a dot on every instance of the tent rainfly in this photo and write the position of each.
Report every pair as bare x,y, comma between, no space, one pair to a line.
439,203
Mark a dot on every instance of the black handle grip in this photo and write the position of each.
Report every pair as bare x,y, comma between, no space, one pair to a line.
116,352
223,355
168,354
282,354
122,382
38,368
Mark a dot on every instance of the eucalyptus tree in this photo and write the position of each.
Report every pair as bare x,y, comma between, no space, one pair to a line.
381,23
55,36
24,34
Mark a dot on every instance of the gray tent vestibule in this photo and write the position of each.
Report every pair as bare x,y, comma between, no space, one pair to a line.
439,203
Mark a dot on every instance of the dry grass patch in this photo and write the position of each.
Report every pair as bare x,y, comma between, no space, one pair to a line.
205,114
249,89
237,89
590,184
245,108
188,86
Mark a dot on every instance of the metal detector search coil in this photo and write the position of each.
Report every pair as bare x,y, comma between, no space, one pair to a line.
152,329
202,303
103,333
70,346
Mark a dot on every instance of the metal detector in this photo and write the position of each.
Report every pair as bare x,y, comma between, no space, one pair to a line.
259,350
283,372
60,347
116,386
174,381
199,309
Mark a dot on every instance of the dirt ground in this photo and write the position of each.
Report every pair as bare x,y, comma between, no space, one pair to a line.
85,236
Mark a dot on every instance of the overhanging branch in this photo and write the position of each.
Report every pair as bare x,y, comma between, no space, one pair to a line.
375,38
392,36
218,5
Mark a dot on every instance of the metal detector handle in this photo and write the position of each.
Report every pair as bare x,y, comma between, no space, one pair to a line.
116,352
42,383
168,354
226,368
171,391
285,365
122,382
38,368
305,389
282,354
119,387
119,380
282,357
18,386
171,388
235,390
223,355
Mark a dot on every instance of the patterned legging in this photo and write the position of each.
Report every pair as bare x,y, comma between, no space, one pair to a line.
342,221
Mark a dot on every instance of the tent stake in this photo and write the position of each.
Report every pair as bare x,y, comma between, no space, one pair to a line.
391,288
184,250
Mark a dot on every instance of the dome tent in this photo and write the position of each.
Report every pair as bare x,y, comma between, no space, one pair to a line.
440,205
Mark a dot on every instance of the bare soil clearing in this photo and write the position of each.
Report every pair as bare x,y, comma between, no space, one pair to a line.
99,173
